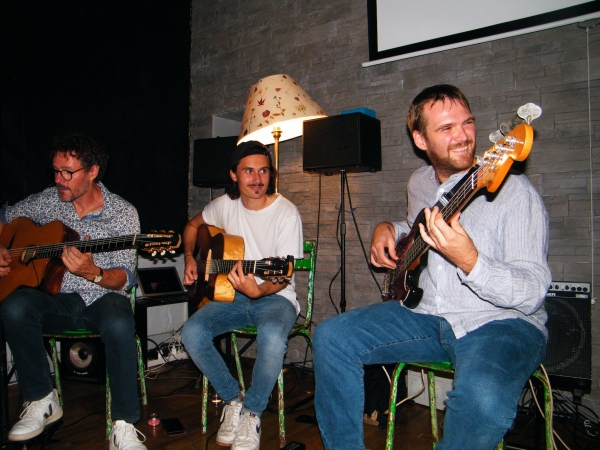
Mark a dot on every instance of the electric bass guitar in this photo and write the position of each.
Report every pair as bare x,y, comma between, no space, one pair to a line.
490,170
35,252
216,253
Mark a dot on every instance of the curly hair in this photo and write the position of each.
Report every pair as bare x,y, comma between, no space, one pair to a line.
85,149
441,92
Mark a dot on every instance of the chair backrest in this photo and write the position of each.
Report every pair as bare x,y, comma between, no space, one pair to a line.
308,264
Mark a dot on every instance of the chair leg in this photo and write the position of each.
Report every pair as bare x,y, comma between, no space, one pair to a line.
433,408
238,363
547,408
57,381
204,403
281,410
108,408
389,442
141,371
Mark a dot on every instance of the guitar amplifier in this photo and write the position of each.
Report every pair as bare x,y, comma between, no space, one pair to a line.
569,352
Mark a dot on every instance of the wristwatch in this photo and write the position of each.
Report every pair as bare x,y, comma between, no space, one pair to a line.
99,276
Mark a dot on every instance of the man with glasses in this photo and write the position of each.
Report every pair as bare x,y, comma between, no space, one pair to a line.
92,294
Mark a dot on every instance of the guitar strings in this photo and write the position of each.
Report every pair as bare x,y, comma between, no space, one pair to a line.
462,195
225,266
50,250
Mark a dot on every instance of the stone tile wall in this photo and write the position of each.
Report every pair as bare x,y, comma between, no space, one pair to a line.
321,45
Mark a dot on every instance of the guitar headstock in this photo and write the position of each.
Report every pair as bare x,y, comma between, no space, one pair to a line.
276,269
159,242
496,162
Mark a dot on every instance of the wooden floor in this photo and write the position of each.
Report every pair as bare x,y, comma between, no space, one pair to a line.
173,392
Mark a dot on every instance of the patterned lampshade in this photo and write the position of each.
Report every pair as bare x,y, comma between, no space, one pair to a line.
276,102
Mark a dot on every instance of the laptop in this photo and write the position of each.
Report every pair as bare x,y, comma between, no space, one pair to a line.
160,284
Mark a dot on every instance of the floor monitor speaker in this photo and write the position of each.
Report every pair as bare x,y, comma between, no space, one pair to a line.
212,159
82,360
569,352
349,141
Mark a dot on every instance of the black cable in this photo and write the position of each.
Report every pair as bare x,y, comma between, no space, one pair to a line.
208,439
329,290
82,418
153,341
360,238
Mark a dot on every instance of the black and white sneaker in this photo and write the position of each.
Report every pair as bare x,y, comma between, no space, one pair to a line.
35,417
124,436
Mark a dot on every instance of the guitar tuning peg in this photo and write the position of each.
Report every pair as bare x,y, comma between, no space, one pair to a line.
162,253
496,136
153,253
172,252
506,127
529,111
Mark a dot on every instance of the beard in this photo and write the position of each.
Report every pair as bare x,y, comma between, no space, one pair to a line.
451,163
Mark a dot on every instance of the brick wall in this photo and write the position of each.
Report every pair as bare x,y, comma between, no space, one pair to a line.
321,44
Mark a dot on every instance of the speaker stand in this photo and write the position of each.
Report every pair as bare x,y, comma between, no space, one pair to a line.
342,242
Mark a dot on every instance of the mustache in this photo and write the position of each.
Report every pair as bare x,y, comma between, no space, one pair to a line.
256,185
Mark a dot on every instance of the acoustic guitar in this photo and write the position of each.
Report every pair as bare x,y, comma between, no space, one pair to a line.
36,250
401,283
216,253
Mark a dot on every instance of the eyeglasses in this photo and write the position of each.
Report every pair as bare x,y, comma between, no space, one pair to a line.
67,174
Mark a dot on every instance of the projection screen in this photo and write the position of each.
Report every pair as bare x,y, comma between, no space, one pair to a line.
401,29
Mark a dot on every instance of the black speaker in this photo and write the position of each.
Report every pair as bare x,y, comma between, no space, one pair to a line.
82,360
349,141
212,159
569,353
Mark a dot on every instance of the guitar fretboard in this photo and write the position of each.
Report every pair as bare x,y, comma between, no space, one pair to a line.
466,188
215,266
93,246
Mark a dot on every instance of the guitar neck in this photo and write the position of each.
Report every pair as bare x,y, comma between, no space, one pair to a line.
450,204
92,245
215,266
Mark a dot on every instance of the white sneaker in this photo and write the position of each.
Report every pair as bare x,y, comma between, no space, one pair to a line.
248,435
35,417
125,437
231,419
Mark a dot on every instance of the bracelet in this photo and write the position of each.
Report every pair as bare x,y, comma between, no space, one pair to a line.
189,254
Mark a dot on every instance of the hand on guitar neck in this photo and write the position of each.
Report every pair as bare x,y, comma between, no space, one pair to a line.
247,285
217,269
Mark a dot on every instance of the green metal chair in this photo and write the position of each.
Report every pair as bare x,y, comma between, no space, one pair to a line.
299,329
431,368
87,334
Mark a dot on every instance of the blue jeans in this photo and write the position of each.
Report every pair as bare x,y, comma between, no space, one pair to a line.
273,316
491,365
27,313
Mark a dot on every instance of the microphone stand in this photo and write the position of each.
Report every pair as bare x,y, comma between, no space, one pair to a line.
292,409
342,242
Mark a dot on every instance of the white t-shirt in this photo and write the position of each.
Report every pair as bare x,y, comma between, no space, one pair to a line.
275,231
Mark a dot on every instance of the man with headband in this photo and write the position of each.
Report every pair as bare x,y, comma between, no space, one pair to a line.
270,226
